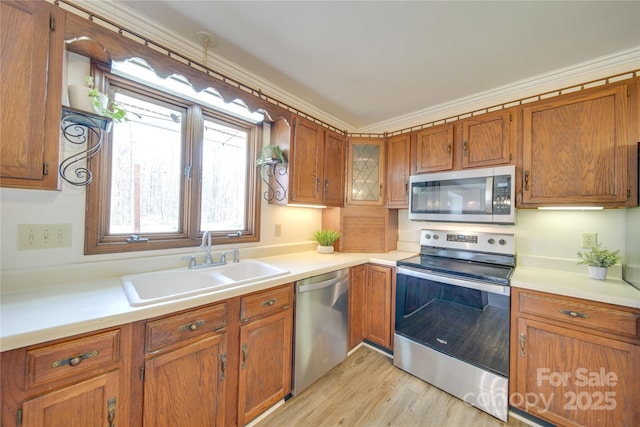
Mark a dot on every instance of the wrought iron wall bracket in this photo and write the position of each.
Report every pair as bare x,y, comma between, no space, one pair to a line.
270,170
79,128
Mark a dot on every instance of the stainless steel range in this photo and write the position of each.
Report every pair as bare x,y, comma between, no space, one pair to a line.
452,315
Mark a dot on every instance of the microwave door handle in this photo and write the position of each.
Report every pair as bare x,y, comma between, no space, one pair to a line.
488,196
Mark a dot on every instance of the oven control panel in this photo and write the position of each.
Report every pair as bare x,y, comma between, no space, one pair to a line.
501,243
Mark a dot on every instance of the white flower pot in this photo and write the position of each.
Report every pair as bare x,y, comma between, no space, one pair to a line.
324,249
598,273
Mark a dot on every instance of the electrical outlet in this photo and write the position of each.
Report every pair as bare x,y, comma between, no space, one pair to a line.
278,230
43,236
589,240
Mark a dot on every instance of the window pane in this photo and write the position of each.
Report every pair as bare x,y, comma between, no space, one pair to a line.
224,170
147,165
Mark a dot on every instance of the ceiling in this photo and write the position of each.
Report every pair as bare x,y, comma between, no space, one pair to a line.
366,62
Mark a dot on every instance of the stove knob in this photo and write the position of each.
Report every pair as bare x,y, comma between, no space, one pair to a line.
436,237
491,241
502,242
427,236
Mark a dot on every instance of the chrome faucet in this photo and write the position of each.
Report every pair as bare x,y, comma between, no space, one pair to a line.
206,237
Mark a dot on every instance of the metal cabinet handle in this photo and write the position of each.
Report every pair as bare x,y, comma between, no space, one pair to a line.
526,180
244,355
523,339
574,314
111,410
269,302
223,368
464,148
192,326
449,150
74,360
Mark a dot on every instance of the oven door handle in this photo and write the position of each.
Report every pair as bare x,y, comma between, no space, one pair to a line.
426,274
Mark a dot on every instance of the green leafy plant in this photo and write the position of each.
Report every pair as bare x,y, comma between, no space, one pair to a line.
599,257
325,237
113,110
271,152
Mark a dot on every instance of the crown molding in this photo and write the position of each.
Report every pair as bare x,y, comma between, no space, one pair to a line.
598,68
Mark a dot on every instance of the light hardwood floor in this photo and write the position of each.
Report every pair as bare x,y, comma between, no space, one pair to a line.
366,390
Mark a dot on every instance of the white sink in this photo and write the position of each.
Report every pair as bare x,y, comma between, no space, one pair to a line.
158,286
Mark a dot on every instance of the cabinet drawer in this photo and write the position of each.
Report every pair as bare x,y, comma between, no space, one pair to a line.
583,314
266,302
184,327
73,358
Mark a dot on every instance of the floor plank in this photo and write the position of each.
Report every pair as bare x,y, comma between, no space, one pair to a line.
366,390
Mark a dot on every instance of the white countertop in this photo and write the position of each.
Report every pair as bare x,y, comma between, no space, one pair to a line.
562,277
39,314
35,315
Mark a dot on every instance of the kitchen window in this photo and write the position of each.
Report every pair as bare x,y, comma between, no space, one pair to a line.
176,168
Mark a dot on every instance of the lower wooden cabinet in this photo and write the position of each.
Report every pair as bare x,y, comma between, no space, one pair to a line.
77,382
371,305
266,345
575,362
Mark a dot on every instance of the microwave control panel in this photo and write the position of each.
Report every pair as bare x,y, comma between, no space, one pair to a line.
502,195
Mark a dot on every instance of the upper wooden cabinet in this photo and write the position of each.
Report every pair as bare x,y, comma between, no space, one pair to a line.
434,149
366,171
316,167
32,50
398,170
486,140
576,150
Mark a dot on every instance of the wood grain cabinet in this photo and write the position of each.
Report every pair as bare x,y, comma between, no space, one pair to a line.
185,368
366,171
266,345
316,169
398,170
480,141
371,305
32,49
434,149
577,149
77,382
574,362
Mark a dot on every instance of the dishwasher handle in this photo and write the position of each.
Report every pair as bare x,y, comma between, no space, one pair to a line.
320,285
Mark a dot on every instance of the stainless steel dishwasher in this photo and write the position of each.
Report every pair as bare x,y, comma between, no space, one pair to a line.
320,326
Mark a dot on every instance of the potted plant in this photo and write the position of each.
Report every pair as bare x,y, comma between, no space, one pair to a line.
325,239
271,154
599,260
90,99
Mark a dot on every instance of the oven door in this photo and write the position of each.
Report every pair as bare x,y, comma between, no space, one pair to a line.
463,319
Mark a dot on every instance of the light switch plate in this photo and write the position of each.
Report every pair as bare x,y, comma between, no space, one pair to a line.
43,236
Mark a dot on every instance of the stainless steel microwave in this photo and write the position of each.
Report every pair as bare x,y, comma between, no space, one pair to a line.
477,195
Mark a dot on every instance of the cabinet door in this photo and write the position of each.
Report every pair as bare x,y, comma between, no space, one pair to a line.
575,379
265,364
306,162
434,149
398,171
357,286
379,306
575,150
366,170
91,403
335,151
486,140
31,35
184,387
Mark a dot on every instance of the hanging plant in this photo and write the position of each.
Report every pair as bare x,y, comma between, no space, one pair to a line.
270,154
104,105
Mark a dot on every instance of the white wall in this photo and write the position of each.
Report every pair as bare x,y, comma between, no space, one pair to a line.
555,234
